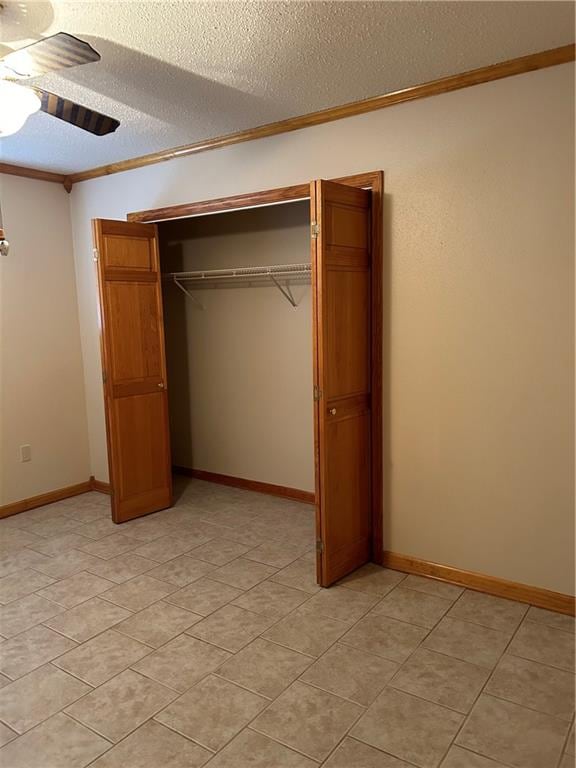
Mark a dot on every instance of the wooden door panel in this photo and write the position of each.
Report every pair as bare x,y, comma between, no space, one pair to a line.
134,367
347,346
133,330
135,253
342,375
139,439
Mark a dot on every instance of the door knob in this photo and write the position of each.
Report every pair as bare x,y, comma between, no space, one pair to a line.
333,411
161,384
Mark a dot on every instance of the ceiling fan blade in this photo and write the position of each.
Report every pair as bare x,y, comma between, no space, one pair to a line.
75,114
49,55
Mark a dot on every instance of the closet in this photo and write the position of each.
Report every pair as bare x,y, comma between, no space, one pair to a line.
263,358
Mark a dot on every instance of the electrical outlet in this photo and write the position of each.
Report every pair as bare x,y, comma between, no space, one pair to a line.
25,453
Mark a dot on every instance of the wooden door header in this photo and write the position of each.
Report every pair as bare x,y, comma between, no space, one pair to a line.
370,180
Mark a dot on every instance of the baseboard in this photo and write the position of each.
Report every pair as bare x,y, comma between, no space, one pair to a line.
542,598
308,497
99,485
44,498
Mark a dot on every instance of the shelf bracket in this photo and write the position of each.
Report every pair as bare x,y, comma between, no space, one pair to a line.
285,290
187,292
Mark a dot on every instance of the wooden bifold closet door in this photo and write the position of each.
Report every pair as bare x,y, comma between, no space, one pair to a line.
134,367
341,258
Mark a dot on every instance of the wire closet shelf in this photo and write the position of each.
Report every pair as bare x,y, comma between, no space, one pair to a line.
279,275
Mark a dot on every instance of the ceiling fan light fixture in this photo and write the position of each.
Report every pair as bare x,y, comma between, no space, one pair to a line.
17,103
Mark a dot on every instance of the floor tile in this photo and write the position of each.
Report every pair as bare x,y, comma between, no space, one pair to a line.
88,619
306,632
242,573
182,570
552,619
271,599
121,705
31,649
152,746
60,544
204,596
90,514
386,637
148,528
539,642
182,662
122,568
301,574
308,719
468,642
372,578
56,526
164,549
489,611
57,743
158,623
253,750
139,592
22,583
432,587
101,658
24,558
220,551
112,546
413,607
212,712
231,627
355,754
265,668
38,696
6,735
75,589
351,673
15,538
441,679
68,563
534,685
26,612
340,603
277,553
100,529
458,757
513,735
408,728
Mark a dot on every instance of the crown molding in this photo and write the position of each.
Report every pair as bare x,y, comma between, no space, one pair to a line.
518,66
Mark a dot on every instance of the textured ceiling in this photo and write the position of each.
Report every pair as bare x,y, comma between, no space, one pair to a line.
178,72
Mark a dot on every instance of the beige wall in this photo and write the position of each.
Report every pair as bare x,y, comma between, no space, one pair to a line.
479,221
240,370
41,378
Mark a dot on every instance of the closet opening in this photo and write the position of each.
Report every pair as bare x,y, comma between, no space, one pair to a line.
242,344
237,301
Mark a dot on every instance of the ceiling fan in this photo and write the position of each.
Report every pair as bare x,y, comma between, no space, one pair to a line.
18,101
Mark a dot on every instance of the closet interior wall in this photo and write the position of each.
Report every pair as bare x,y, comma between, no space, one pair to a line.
240,369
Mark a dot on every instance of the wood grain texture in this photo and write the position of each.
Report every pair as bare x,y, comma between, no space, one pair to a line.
517,66
285,492
24,505
341,278
32,173
134,365
248,200
542,598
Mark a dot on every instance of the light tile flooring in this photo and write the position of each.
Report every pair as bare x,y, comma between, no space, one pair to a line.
198,637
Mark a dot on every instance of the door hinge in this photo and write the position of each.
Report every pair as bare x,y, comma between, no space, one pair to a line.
104,377
315,230
319,545
95,254
317,393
